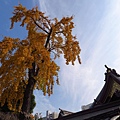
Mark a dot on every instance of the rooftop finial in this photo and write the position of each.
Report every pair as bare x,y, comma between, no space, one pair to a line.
108,69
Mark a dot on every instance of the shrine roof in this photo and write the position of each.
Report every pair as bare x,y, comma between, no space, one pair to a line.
110,88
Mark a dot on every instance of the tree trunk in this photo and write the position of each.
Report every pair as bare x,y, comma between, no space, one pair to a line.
27,95
28,92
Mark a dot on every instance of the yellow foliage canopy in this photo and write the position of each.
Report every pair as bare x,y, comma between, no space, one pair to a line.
46,40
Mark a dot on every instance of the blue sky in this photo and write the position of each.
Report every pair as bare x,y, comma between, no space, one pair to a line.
97,27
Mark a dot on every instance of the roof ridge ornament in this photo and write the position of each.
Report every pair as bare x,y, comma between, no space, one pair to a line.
108,69
112,71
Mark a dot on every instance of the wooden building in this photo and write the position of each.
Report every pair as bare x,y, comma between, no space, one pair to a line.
107,104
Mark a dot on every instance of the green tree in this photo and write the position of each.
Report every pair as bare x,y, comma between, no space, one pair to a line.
33,103
5,107
31,62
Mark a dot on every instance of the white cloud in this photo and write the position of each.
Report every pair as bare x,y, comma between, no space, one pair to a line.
83,82
43,6
43,103
80,82
100,43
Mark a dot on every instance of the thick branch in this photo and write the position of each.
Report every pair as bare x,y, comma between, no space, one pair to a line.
33,69
36,73
48,38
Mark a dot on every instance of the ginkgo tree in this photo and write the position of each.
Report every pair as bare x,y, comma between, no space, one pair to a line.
30,64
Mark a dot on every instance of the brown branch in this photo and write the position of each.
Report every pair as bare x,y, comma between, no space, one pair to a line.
51,49
57,23
36,73
48,38
59,32
47,41
39,26
46,20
